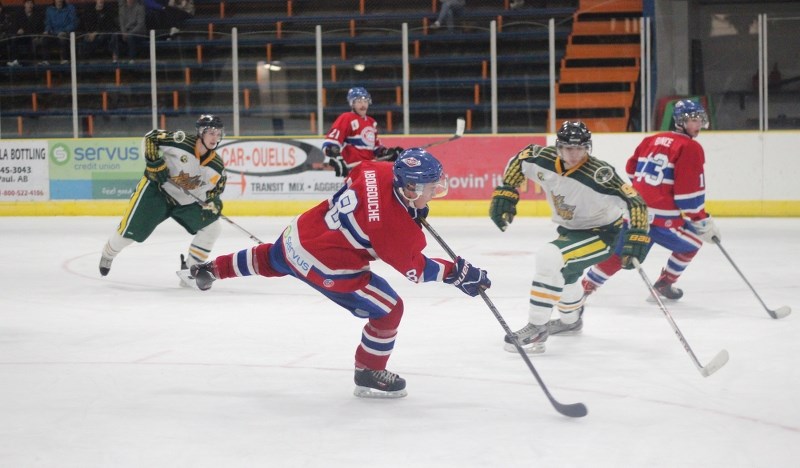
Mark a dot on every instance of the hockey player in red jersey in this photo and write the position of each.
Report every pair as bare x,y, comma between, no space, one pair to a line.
330,247
667,170
354,136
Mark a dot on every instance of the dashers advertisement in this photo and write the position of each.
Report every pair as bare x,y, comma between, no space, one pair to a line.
24,172
95,169
258,168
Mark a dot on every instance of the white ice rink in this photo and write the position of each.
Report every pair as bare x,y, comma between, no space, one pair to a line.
132,371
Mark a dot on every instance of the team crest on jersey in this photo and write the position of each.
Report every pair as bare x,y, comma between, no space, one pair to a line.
186,181
328,283
564,210
603,174
368,136
184,159
540,176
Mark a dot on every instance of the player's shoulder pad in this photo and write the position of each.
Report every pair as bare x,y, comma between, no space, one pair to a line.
530,152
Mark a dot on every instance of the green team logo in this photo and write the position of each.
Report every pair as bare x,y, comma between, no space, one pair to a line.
603,174
60,154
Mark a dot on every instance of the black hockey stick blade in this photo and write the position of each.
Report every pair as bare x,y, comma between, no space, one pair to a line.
778,313
573,410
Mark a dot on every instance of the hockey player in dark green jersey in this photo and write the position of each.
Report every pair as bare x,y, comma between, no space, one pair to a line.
589,203
180,170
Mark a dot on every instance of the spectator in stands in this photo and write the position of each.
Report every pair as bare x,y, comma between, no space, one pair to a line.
60,19
132,26
450,10
516,4
28,25
179,11
100,21
167,15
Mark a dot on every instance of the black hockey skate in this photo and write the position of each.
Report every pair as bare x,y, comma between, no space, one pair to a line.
204,275
667,290
105,265
378,384
531,337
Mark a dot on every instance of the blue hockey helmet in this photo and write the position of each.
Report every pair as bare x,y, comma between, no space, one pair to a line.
418,171
574,134
686,109
358,93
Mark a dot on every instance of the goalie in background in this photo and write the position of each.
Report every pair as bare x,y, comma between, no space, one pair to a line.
373,216
667,169
588,201
177,165
354,136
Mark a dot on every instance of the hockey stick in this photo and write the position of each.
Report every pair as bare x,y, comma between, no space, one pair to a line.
201,202
715,364
573,410
778,313
460,124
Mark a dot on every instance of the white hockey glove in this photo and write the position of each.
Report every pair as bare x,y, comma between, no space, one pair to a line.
706,229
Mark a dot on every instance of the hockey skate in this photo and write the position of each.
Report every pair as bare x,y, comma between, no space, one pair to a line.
531,338
557,327
203,274
666,291
186,278
378,384
105,265
588,287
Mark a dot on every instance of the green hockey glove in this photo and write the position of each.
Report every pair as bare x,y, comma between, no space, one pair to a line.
504,206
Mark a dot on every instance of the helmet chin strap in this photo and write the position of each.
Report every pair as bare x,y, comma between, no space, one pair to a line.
402,193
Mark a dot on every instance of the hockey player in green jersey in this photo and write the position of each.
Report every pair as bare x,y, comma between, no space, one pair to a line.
180,170
588,202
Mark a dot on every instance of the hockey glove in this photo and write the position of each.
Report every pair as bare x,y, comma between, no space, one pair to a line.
211,207
388,154
157,171
418,213
504,206
469,279
637,244
706,228
333,158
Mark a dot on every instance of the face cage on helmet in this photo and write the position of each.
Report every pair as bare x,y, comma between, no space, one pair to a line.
202,131
436,189
560,144
681,121
360,98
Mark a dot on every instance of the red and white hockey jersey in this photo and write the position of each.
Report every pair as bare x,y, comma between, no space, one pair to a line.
365,220
357,136
667,171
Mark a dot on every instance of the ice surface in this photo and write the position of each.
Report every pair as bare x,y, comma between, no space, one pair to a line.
131,370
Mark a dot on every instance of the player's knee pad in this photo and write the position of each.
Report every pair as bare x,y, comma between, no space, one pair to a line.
387,325
549,262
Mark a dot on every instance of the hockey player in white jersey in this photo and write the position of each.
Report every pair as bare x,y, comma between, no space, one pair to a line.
588,200
180,170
